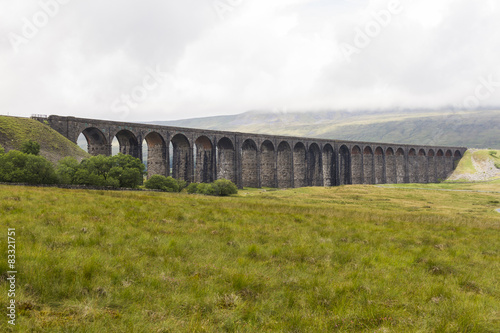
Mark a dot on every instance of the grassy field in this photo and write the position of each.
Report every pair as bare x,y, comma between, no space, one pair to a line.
346,259
14,131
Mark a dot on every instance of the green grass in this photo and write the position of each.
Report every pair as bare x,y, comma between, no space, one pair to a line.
14,131
465,165
346,259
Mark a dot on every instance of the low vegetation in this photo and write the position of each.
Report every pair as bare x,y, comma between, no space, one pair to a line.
166,184
221,187
341,259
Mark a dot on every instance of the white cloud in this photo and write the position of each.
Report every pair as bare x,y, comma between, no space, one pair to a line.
265,55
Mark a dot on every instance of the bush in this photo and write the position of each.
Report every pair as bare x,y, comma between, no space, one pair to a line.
159,182
19,167
192,188
30,147
66,169
2,150
224,187
206,189
221,187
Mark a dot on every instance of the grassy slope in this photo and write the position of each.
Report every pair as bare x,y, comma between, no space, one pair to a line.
471,129
14,131
485,157
356,258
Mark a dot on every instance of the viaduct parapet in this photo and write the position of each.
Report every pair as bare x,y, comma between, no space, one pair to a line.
259,160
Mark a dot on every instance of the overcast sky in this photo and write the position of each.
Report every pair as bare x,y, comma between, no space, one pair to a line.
166,59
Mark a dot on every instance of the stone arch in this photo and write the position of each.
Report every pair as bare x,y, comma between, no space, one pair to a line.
285,168
300,165
97,144
157,154
249,165
182,158
413,166
390,166
400,166
267,164
357,165
226,160
204,160
440,165
448,163
344,166
329,166
431,166
368,173
129,145
315,166
379,164
422,166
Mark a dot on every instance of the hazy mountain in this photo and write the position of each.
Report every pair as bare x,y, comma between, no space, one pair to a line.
478,129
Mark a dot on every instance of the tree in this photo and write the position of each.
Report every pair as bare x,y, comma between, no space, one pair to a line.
18,167
2,150
30,147
66,169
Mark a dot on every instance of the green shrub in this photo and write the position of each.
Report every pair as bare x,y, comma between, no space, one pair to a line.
116,171
192,188
159,182
224,187
206,189
30,147
182,184
2,150
19,167
66,169
221,187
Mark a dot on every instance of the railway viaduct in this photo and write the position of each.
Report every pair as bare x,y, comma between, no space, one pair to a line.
259,160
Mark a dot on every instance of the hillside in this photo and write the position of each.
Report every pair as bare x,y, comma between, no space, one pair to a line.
475,129
341,259
53,146
478,165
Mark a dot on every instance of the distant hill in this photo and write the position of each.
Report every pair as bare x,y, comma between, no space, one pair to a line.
53,146
475,129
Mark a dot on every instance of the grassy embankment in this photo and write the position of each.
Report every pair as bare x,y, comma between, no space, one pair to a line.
53,146
356,258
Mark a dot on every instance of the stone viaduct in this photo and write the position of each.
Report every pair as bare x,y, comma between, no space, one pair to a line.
259,160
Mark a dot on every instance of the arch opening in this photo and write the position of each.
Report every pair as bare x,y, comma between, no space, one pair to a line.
203,166
267,164
299,165
368,166
357,166
155,154
329,166
181,158
379,164
390,166
315,166
226,159
344,166
284,167
93,141
128,144
249,165
413,166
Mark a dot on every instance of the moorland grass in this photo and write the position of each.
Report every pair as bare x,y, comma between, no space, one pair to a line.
347,259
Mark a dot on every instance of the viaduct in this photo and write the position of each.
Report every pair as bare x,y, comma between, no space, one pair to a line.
259,160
